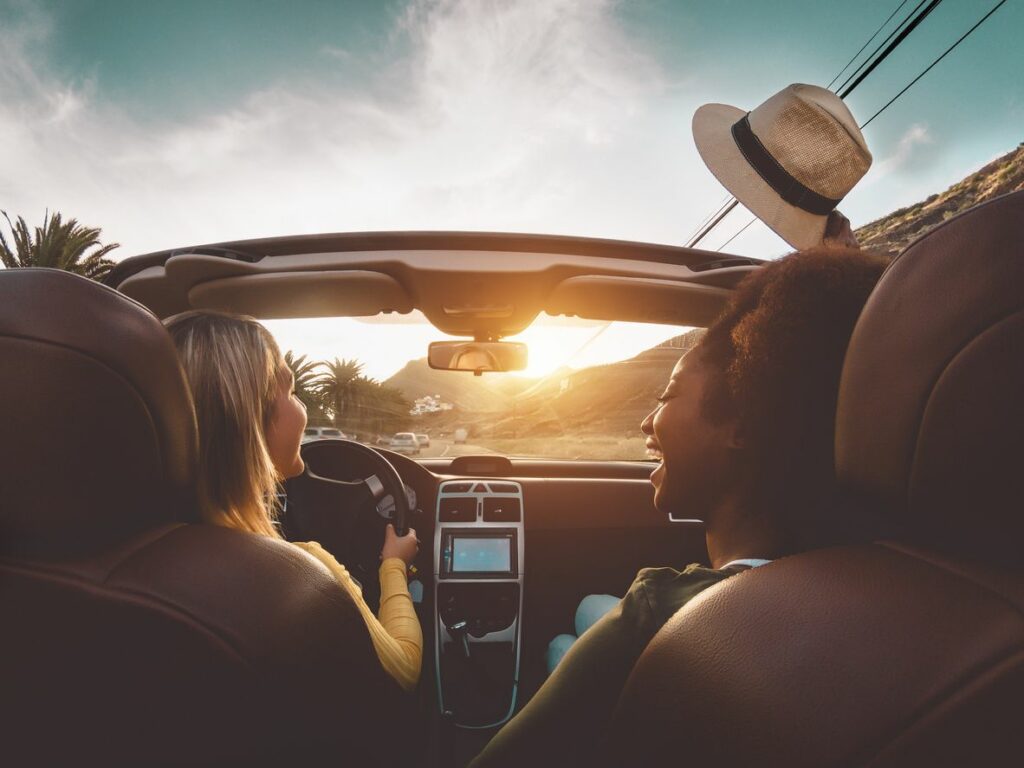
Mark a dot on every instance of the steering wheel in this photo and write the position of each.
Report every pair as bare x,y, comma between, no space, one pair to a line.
344,499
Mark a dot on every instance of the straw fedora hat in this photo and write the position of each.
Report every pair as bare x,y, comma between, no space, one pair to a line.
790,161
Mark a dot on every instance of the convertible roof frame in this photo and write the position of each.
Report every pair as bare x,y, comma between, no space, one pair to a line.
253,251
458,280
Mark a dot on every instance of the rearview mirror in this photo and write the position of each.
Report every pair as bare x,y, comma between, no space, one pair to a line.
477,356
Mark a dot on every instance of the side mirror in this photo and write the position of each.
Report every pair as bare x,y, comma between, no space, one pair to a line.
477,356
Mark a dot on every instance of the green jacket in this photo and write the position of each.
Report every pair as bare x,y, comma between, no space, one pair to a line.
561,725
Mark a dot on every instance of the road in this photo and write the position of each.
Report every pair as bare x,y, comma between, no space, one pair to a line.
444,447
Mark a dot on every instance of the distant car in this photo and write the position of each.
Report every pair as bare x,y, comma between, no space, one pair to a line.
323,433
405,442
423,440
460,435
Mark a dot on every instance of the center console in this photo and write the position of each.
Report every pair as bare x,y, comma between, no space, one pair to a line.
478,546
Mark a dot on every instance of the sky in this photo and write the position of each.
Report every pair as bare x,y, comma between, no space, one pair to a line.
174,124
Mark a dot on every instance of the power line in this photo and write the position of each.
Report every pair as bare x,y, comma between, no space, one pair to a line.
704,222
906,88
928,68
721,214
892,47
725,201
714,223
899,28
710,222
858,53
744,229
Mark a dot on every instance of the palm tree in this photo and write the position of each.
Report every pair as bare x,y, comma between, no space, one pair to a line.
307,382
393,407
58,244
340,387
358,402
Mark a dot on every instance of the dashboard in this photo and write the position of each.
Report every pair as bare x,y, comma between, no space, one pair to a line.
479,567
508,548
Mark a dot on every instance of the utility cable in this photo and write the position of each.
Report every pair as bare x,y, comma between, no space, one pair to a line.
888,103
870,39
907,29
878,48
710,216
744,229
714,223
928,68
892,47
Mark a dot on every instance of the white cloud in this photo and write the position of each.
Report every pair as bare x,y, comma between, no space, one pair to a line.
535,115
916,135
335,52
521,115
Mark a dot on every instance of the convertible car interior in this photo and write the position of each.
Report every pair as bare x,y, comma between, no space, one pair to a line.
136,635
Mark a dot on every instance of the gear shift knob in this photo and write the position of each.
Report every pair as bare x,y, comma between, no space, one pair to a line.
459,631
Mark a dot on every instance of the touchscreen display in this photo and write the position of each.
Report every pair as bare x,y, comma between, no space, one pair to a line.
481,555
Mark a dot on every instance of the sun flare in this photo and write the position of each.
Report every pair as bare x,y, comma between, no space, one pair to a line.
385,345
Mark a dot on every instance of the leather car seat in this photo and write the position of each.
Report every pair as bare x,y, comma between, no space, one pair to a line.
908,651
132,634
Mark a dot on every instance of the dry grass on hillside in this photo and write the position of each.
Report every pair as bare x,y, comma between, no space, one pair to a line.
892,233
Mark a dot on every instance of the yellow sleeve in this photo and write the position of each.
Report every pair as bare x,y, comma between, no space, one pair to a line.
398,617
397,636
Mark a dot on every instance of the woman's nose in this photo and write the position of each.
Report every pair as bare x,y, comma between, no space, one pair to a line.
647,425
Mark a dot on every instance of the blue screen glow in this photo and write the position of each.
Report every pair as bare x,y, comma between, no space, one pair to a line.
477,555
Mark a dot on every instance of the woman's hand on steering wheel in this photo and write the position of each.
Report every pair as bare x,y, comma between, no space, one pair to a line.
403,547
346,515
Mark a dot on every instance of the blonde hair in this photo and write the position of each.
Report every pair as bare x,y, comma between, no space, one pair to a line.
234,368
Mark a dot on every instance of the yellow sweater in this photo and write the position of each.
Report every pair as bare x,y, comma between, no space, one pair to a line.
397,636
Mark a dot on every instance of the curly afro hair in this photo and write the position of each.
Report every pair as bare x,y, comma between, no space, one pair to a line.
776,355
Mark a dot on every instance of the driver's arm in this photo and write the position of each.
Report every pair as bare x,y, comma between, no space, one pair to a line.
398,616
397,636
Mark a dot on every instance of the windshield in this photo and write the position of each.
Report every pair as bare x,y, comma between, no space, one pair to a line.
587,386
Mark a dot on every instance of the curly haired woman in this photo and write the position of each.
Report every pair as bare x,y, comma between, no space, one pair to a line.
744,434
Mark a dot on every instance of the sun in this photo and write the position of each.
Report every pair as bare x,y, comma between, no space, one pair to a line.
556,343
385,345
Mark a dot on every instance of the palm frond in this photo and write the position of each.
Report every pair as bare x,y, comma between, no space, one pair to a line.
22,241
7,256
58,243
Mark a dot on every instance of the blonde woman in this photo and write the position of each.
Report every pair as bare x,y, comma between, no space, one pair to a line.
250,428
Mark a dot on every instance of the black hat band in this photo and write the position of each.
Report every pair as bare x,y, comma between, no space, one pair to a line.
775,176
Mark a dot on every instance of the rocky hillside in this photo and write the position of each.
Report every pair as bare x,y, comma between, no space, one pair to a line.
605,399
892,233
465,391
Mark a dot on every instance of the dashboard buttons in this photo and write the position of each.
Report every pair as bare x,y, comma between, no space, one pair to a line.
457,510
457,488
504,488
502,510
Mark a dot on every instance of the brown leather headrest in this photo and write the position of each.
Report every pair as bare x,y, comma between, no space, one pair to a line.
98,437
930,424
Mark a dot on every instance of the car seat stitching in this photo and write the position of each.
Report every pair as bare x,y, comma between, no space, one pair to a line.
976,336
979,677
143,599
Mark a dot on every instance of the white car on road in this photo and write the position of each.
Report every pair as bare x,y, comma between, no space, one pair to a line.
405,442
323,433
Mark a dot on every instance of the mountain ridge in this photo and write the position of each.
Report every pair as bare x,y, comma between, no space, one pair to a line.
893,232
